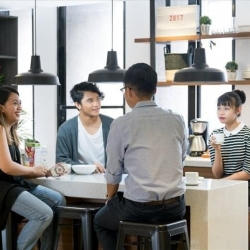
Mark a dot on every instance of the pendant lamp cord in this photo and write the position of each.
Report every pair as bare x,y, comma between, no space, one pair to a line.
34,53
112,25
200,35
200,39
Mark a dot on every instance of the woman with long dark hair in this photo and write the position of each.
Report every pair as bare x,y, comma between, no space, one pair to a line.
34,202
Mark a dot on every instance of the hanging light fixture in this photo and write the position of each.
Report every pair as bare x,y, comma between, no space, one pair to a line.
35,76
199,71
111,72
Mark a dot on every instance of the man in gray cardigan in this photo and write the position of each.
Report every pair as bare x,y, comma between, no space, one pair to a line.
83,138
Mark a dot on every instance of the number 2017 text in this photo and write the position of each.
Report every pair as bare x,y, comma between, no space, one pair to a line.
173,18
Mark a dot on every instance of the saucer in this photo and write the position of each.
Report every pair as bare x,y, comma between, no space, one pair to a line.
189,184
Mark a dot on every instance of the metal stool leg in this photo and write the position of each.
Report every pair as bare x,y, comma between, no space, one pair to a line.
120,239
10,233
94,235
86,232
185,240
56,232
159,242
77,233
1,241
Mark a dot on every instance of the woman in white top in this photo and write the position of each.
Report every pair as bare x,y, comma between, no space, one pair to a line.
231,159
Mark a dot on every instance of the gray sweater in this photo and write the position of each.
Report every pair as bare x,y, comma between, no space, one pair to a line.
67,140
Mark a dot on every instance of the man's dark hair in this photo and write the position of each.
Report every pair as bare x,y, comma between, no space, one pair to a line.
77,92
142,78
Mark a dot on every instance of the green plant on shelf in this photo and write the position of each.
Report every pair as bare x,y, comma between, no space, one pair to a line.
231,66
205,20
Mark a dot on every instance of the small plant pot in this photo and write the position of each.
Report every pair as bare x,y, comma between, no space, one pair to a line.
231,75
205,29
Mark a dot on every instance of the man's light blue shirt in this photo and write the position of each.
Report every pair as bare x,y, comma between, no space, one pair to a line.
149,144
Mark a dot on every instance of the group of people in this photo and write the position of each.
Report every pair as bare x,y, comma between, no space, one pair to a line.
148,143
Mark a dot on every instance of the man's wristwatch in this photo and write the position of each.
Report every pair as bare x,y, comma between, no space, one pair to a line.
107,195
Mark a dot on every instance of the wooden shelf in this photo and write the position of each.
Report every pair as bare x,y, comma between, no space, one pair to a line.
8,57
193,37
169,83
8,47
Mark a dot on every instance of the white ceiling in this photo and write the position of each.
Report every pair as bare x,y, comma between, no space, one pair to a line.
28,4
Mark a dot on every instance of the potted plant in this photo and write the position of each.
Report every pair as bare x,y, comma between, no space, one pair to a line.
205,23
24,137
22,131
231,68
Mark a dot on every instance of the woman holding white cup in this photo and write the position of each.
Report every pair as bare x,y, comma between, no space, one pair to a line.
230,145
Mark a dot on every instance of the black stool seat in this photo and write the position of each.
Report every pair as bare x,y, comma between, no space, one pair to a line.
160,234
85,213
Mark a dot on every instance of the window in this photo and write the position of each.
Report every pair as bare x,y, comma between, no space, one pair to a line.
89,39
24,55
217,56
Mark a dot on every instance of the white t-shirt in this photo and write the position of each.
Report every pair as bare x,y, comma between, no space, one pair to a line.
90,147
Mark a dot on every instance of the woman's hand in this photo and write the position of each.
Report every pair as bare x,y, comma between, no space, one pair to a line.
50,174
99,168
39,171
212,141
59,169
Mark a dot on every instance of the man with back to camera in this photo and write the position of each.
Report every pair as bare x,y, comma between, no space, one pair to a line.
83,138
149,143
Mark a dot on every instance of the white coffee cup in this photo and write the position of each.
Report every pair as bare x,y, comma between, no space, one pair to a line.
192,178
219,138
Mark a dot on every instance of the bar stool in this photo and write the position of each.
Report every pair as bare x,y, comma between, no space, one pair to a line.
9,235
1,241
8,239
85,213
160,234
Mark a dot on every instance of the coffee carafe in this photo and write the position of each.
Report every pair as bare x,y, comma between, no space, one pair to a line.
198,139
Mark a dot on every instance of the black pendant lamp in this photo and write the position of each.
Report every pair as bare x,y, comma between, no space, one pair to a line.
35,76
111,72
199,71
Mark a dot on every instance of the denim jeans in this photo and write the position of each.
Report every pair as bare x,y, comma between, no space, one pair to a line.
107,219
37,205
